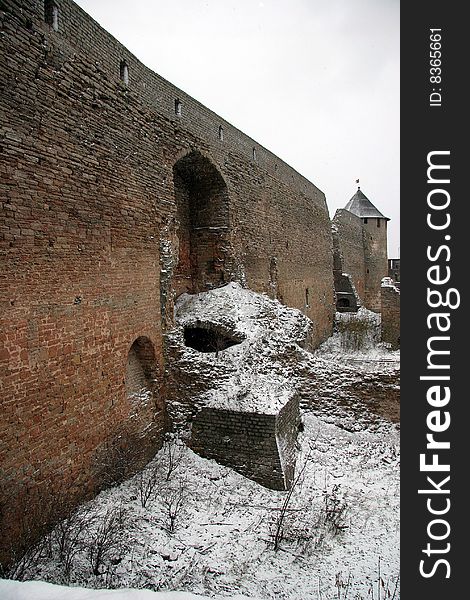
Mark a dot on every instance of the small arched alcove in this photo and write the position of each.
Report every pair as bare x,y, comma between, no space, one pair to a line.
202,208
141,370
135,436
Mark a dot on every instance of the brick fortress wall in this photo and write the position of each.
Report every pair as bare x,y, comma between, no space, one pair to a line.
390,297
360,250
349,248
102,164
375,247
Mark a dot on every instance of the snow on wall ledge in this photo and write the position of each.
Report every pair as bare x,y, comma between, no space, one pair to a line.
238,405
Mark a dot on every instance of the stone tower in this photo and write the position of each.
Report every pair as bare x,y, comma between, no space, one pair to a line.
374,226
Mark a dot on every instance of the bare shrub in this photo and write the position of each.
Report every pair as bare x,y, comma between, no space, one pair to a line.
301,524
386,590
378,588
69,537
285,510
147,484
105,541
29,513
118,459
174,501
161,469
335,509
82,536
343,587
174,451
81,532
22,559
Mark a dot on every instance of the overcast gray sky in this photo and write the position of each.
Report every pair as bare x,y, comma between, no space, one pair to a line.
314,81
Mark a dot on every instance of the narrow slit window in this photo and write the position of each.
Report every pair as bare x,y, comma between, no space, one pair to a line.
51,14
221,133
124,72
365,221
378,222
178,107
307,297
254,153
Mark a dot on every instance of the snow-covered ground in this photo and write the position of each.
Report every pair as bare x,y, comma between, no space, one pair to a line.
208,530
223,538
40,590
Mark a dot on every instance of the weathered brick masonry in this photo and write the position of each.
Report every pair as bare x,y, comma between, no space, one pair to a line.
375,246
102,165
349,248
258,445
360,250
391,315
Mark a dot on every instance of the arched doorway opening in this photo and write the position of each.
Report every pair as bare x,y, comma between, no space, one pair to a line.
203,215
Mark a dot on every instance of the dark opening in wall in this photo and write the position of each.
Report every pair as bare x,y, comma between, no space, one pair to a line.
378,222
178,107
51,14
203,224
307,297
254,153
124,72
344,303
221,133
365,221
206,339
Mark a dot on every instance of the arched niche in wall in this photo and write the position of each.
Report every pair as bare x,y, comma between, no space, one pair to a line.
141,371
136,436
201,197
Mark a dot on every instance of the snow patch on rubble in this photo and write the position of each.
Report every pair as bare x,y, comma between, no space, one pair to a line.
245,312
244,377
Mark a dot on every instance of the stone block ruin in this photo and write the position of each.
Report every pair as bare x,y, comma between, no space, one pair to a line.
229,390
258,444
